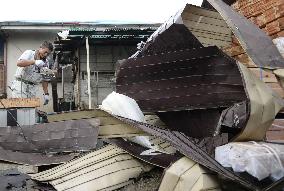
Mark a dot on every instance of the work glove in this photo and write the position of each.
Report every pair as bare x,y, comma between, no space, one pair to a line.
45,98
39,63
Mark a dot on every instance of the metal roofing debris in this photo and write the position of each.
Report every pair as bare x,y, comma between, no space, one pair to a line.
186,174
256,43
192,150
207,26
108,127
107,168
51,137
35,159
158,158
181,79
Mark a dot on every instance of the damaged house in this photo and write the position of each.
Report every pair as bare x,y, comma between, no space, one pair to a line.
107,44
192,108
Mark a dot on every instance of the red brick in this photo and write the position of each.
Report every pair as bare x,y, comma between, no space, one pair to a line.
280,34
273,13
275,26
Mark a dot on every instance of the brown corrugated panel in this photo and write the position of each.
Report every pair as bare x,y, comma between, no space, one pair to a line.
51,137
183,79
188,88
158,158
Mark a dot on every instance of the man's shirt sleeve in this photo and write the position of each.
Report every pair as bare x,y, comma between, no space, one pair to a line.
27,55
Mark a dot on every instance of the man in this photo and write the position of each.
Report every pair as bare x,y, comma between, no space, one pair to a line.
30,66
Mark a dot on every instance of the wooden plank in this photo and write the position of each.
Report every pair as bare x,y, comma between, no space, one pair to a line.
234,50
20,102
245,59
119,130
76,115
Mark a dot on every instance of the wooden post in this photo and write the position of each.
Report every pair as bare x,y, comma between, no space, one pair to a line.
88,72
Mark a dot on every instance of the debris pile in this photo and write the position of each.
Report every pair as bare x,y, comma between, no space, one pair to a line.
182,106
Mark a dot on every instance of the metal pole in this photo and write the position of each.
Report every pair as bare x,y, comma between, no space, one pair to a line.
88,72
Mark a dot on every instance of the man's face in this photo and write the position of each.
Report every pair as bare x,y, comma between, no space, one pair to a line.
44,52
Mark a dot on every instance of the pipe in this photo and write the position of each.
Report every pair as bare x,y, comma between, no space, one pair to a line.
88,72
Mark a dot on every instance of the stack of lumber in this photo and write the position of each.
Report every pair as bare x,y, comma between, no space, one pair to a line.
268,15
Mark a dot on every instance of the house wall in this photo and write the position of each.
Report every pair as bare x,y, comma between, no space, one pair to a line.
2,69
103,60
17,43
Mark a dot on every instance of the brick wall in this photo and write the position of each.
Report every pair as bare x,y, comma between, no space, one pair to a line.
268,15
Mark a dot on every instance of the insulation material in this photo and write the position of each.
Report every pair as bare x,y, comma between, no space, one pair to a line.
124,106
186,174
107,168
279,43
260,160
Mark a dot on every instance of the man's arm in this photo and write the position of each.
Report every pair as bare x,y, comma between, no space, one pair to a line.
24,63
45,87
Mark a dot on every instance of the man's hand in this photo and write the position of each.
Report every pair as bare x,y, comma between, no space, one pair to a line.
39,63
45,98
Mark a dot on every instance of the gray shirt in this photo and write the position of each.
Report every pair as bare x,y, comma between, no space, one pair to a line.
29,73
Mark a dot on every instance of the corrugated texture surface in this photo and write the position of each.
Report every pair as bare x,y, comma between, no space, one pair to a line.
157,158
51,137
108,168
194,151
207,26
178,80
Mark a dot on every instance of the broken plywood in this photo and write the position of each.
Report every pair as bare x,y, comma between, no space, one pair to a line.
107,168
186,174
19,102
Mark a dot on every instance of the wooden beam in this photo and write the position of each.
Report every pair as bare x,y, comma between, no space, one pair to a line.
19,102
